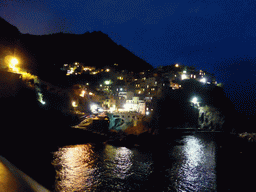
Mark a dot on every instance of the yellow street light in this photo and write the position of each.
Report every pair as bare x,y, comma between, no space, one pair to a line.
14,61
74,104
13,64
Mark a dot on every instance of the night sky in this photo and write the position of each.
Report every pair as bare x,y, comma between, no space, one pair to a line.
218,36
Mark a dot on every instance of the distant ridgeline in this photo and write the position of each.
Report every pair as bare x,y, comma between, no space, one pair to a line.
92,49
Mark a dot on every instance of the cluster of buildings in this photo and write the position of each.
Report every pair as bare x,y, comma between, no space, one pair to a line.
122,90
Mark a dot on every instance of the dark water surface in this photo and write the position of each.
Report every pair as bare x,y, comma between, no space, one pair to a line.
201,162
189,162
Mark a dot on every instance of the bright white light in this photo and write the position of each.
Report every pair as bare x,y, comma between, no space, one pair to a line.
93,107
147,112
100,110
107,82
121,89
177,65
184,71
203,80
183,76
194,100
40,98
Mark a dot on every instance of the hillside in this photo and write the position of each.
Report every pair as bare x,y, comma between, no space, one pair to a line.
92,49
43,53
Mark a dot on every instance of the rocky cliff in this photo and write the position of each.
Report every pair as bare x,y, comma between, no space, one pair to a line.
210,118
174,108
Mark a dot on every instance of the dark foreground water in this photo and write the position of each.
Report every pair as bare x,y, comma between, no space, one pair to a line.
202,162
191,162
190,166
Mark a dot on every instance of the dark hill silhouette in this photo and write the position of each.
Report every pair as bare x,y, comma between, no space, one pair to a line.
7,31
39,53
92,49
9,35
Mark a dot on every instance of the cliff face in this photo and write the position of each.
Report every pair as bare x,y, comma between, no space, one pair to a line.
175,108
210,118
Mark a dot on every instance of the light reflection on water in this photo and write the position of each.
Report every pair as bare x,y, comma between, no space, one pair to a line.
194,168
190,167
118,161
76,168
82,168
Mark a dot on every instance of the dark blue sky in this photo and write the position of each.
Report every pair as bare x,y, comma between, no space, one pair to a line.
218,36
